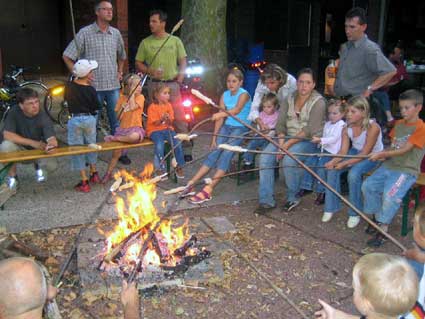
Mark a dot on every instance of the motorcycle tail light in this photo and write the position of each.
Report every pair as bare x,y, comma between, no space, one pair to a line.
196,109
187,117
187,103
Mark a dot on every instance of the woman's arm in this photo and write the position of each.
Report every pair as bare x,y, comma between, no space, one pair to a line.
242,100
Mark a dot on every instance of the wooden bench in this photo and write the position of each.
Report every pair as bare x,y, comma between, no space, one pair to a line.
33,154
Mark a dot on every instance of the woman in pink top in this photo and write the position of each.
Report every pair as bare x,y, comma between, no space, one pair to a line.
268,118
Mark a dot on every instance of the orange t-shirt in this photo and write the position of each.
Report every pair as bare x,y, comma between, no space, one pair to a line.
155,112
132,118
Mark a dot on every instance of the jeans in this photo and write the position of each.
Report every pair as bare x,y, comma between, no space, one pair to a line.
309,182
355,180
293,175
383,193
159,138
81,131
253,145
384,99
111,97
219,158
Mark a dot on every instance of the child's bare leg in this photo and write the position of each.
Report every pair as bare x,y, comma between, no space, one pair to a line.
83,175
93,168
114,160
199,174
131,138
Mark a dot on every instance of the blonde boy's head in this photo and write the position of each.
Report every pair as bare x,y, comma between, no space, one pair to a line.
386,283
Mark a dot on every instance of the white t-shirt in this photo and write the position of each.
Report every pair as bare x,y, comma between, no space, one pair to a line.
331,139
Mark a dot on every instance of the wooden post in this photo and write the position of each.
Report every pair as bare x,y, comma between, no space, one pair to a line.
122,25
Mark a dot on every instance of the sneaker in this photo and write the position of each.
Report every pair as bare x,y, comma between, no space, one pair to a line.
39,176
179,172
327,217
302,192
12,182
83,187
370,230
124,160
377,241
94,178
353,221
263,209
246,163
320,199
290,205
188,158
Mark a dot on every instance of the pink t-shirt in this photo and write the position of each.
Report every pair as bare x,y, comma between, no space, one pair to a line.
269,120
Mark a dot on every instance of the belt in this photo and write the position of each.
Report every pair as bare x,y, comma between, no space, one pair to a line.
165,81
81,114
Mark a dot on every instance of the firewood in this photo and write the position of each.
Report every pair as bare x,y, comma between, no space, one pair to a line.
27,250
117,249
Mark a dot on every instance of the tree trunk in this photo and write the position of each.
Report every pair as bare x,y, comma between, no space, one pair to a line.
204,36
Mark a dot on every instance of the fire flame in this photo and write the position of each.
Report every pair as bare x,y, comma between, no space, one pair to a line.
136,212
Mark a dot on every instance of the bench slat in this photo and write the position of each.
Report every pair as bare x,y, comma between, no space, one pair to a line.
30,155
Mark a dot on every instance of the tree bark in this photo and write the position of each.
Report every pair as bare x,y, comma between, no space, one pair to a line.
204,37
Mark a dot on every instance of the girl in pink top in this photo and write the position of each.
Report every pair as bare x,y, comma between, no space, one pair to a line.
268,119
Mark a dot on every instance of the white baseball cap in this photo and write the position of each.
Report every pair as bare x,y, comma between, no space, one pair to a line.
83,67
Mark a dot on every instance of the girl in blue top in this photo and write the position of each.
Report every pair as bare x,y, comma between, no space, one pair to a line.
237,101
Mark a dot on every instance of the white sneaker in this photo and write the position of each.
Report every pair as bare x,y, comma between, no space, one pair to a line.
12,183
327,217
353,221
39,175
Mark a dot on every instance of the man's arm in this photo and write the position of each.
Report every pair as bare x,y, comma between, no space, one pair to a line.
130,300
68,62
182,69
379,82
20,140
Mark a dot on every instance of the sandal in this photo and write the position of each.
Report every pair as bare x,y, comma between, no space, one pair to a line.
189,191
201,197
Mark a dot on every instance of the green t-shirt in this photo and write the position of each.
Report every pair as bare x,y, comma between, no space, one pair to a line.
409,162
167,58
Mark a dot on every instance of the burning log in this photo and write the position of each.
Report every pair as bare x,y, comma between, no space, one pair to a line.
188,244
114,254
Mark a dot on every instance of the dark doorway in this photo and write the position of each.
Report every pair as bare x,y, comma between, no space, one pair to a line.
30,34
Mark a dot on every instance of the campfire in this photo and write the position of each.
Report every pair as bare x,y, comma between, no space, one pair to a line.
171,249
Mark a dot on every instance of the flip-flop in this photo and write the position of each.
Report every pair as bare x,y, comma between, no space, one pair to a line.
198,199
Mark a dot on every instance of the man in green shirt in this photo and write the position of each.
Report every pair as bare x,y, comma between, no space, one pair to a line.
169,66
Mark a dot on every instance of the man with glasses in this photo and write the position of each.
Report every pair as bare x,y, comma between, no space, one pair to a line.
101,42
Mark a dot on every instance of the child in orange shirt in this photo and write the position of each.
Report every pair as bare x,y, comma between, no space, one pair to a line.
129,113
159,128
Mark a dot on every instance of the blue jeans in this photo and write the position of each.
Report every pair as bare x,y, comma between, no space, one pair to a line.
81,131
293,175
383,193
159,138
253,145
308,181
111,97
355,180
221,159
384,99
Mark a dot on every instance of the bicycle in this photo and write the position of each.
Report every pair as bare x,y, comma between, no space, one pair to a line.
12,82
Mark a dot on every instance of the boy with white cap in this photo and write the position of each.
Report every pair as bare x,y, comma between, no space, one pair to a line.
83,105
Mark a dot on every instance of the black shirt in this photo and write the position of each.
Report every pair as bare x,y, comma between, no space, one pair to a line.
81,98
38,128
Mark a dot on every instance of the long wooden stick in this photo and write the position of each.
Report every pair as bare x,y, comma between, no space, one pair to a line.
290,154
259,272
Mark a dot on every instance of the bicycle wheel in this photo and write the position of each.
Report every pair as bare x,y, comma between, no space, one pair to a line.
63,116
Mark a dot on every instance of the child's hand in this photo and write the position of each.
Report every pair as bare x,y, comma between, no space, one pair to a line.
218,116
331,164
380,156
341,165
327,311
415,253
316,140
